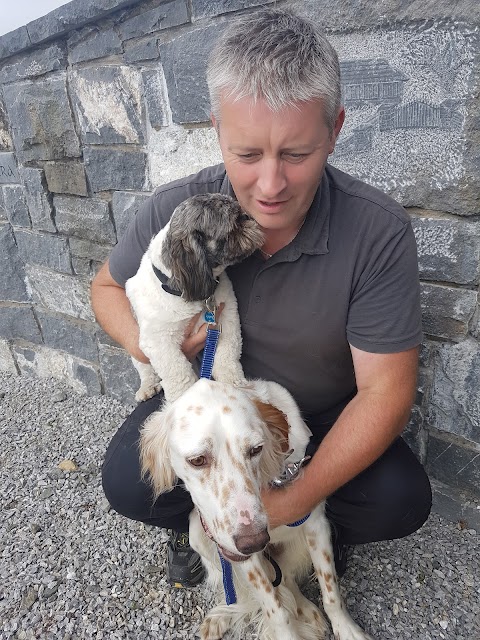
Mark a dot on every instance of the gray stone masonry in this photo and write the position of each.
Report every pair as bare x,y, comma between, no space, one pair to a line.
101,101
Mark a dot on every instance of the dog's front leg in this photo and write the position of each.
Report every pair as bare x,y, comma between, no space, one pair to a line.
278,605
227,367
317,532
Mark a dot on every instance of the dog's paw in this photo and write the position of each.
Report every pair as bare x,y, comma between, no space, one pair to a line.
147,391
214,626
347,629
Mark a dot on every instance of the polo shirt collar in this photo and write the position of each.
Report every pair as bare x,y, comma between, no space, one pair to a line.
312,238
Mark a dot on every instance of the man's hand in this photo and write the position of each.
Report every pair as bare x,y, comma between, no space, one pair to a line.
196,335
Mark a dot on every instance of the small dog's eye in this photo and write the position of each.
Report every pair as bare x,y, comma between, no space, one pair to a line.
199,461
255,451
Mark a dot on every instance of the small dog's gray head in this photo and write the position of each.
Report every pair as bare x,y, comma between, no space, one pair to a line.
208,232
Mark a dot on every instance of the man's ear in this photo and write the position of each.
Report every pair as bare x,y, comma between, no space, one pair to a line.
215,123
337,127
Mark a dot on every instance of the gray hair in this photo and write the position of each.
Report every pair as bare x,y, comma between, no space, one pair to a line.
276,56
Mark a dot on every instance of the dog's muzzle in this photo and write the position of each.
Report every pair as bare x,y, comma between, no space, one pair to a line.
247,544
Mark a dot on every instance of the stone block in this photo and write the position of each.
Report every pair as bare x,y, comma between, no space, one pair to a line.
7,361
5,137
82,266
38,199
85,249
140,51
448,248
125,206
456,506
414,434
454,461
12,275
447,311
156,98
166,15
408,93
18,323
14,41
184,62
44,249
97,43
3,211
66,177
15,205
204,8
71,336
41,119
454,399
86,218
73,15
8,169
115,170
43,362
35,63
175,152
120,377
60,293
108,104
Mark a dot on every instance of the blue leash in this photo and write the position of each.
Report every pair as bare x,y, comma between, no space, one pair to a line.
213,334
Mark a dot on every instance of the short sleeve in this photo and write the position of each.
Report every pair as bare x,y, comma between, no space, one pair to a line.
384,313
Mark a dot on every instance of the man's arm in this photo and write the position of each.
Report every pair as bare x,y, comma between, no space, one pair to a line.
367,426
114,314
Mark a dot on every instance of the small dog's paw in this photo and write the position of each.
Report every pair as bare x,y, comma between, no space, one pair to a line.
349,630
147,391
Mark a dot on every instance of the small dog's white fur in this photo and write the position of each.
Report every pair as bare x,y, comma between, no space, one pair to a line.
226,443
205,234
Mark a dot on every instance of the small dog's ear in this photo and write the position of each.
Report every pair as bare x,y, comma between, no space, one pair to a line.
154,453
185,255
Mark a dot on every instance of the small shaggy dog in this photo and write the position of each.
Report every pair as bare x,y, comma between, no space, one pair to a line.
226,443
182,269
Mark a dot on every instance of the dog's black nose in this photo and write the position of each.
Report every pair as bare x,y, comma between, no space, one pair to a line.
251,543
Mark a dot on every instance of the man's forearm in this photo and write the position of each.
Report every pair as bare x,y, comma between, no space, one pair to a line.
365,429
114,314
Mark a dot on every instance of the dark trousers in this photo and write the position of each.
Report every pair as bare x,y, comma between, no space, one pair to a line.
390,499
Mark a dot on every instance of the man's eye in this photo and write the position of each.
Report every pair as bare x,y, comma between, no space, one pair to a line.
198,461
248,156
295,157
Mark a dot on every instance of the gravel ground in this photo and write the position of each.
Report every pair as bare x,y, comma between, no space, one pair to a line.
72,568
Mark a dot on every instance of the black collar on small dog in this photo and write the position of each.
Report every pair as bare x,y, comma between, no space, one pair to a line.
164,280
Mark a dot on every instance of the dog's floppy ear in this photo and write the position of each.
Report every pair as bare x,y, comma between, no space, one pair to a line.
186,256
276,441
154,453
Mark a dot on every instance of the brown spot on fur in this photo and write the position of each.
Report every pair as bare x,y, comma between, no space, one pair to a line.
225,495
251,576
332,600
329,588
226,409
299,612
198,411
328,577
268,614
275,421
190,408
268,588
327,556
249,486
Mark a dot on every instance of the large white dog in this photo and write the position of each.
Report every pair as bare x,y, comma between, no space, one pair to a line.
183,267
226,443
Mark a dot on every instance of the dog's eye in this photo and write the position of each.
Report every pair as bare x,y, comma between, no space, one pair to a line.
255,451
198,461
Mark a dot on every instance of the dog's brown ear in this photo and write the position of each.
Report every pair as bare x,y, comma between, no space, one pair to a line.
154,453
275,421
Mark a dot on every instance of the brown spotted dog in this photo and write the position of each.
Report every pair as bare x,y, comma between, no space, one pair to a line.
226,443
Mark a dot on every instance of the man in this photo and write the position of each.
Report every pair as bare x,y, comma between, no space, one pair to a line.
329,306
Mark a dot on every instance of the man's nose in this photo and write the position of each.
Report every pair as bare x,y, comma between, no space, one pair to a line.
271,180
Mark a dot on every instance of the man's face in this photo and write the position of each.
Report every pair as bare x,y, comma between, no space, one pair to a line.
275,160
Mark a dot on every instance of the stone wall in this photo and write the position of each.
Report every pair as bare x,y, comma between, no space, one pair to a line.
102,100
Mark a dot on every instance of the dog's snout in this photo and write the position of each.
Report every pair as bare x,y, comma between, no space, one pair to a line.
251,542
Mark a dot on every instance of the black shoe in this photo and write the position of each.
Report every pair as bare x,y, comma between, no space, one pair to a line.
184,566
340,552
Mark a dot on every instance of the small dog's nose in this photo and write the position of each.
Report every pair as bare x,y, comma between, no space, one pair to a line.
251,543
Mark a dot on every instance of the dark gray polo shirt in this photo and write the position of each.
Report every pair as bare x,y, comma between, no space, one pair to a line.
350,277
